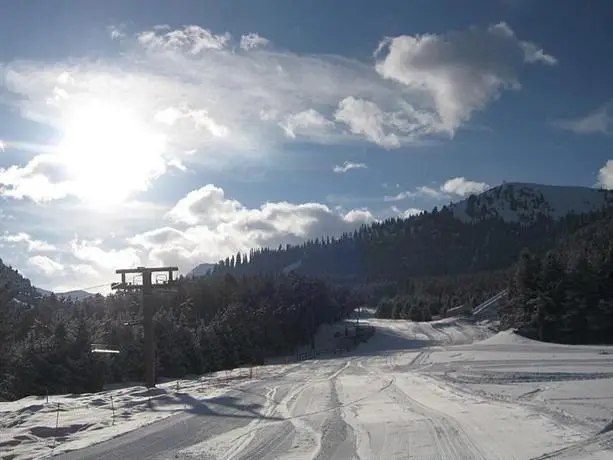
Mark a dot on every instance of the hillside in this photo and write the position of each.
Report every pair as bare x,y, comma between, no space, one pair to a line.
566,295
14,285
524,203
201,270
444,241
73,295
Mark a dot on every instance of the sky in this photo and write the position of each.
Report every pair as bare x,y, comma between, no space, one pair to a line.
155,132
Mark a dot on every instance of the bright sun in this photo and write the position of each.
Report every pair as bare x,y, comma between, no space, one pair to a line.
109,153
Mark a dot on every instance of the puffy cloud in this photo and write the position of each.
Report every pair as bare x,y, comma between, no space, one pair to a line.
306,122
32,181
208,226
407,212
45,265
191,39
598,122
253,40
605,176
32,244
400,196
458,186
92,253
365,117
428,192
196,118
462,187
460,72
348,166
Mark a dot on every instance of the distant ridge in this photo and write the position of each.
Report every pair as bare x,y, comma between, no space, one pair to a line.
524,202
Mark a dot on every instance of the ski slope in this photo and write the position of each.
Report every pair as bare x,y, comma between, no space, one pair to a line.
445,390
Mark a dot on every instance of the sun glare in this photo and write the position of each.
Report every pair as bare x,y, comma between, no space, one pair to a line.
110,153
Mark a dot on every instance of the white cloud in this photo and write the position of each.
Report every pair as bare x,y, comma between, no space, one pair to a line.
459,72
31,181
116,32
191,39
45,265
598,122
348,166
605,176
196,118
93,254
306,122
400,196
458,186
407,212
253,40
366,118
462,187
208,226
83,270
429,192
33,245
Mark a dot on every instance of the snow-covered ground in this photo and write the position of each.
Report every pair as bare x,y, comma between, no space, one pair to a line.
445,389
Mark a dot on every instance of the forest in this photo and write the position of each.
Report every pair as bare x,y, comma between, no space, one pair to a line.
431,244
213,323
566,295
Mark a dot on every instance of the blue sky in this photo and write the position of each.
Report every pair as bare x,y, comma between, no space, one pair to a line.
147,132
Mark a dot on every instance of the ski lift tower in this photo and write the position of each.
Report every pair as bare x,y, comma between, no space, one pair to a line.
164,282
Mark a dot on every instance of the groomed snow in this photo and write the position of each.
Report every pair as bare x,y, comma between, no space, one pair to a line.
415,390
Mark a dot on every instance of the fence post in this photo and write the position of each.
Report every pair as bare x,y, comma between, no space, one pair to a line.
113,409
57,424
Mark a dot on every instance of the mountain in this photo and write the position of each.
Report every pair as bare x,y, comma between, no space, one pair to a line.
201,270
14,285
523,202
74,295
482,233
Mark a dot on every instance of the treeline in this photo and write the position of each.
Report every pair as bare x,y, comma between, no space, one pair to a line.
422,298
566,296
428,245
213,323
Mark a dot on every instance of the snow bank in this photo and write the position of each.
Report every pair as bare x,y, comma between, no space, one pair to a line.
569,382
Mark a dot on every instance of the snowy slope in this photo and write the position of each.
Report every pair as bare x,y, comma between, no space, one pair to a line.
201,270
415,390
522,202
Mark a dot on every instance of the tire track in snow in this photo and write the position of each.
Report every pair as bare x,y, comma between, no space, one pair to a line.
452,442
294,436
338,438
450,438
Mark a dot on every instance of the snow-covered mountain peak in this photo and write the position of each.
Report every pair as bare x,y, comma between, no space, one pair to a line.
524,202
